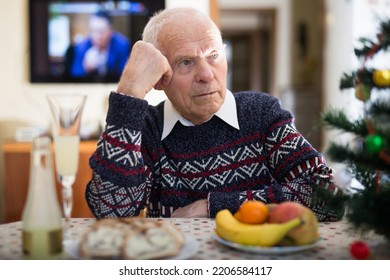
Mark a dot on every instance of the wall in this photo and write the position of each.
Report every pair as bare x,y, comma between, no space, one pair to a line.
337,56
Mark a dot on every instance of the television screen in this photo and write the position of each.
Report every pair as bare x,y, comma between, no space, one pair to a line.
85,41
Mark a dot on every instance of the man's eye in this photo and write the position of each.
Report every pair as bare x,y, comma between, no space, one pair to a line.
185,62
215,56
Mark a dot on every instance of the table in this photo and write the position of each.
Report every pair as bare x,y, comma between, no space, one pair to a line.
334,243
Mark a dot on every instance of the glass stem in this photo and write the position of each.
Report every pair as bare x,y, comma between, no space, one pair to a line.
67,194
67,201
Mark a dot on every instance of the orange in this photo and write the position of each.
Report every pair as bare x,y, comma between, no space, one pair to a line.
252,212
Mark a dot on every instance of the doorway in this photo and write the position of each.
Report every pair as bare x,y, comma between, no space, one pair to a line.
250,49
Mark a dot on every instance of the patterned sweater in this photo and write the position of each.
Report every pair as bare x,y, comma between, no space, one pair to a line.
267,159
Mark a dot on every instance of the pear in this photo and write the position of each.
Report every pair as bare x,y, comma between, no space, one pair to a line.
306,233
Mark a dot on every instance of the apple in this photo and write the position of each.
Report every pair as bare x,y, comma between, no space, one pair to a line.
305,234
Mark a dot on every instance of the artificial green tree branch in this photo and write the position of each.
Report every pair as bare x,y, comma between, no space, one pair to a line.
338,119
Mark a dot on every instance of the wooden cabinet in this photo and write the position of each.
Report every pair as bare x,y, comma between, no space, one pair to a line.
16,175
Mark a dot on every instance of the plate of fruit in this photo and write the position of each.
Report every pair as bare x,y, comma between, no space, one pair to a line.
282,228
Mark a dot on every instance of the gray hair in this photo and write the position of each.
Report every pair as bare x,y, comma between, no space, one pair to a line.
165,17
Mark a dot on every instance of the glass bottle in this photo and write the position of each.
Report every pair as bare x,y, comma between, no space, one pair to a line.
42,216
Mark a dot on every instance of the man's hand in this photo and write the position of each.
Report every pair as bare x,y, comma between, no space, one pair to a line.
197,209
147,68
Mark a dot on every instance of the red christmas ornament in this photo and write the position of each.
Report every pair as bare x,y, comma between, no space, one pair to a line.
359,250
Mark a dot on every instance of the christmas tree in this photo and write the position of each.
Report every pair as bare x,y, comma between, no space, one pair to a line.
367,155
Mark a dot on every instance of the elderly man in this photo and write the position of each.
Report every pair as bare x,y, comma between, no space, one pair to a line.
205,148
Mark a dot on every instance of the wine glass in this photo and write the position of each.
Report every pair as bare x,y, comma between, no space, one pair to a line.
66,113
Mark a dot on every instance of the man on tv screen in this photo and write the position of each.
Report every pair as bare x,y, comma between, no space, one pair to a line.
103,54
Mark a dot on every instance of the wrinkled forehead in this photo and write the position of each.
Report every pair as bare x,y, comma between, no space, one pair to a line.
192,51
192,39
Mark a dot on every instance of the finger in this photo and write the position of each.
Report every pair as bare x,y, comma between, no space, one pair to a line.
176,214
165,79
158,85
163,82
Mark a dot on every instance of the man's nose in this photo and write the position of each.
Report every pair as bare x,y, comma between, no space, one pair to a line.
204,72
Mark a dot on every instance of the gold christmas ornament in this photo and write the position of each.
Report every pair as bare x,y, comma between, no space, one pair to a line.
381,78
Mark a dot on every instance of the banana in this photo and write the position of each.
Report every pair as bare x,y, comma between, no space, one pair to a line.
230,229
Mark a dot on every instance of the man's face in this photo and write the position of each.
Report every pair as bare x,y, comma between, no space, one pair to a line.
100,32
197,57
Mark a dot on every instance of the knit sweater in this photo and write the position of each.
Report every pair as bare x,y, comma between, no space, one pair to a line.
267,159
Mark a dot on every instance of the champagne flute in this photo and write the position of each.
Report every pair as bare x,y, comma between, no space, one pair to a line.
66,112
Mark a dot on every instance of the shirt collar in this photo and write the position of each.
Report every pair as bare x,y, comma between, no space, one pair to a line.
227,113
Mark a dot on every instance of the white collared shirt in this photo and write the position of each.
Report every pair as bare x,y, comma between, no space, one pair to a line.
227,112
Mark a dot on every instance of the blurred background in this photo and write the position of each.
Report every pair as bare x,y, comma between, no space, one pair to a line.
295,50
